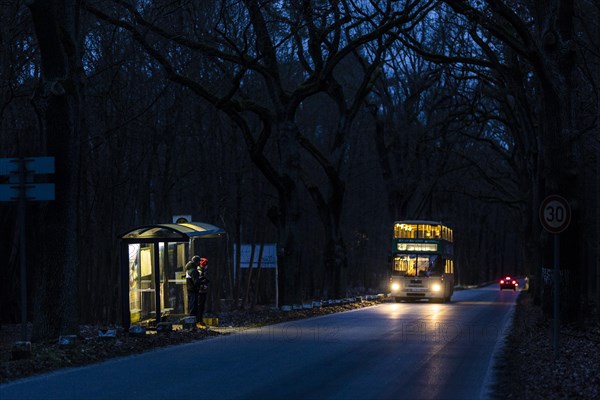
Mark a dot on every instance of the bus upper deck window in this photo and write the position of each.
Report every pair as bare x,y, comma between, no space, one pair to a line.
404,231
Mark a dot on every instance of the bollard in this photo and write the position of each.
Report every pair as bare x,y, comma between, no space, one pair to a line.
67,340
164,327
188,322
21,350
137,331
107,334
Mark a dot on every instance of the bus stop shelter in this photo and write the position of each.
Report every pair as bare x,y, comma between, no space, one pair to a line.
153,259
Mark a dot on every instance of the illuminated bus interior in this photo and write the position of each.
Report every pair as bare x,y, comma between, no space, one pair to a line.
422,265
422,231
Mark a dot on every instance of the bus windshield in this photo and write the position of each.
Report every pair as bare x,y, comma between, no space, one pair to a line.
419,265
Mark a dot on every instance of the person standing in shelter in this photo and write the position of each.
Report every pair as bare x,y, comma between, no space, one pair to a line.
192,275
202,289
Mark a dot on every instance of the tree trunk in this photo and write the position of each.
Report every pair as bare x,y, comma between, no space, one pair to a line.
55,299
560,160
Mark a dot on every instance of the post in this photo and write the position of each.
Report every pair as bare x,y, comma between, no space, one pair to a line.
22,188
157,293
276,285
555,216
124,277
22,252
555,339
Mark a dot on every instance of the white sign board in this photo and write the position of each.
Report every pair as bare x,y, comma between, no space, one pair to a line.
269,255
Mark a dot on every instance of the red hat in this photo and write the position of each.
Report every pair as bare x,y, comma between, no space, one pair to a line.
203,262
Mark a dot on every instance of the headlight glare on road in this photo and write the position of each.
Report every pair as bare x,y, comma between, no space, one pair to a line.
436,287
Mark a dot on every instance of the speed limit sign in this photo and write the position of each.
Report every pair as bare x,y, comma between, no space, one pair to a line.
555,213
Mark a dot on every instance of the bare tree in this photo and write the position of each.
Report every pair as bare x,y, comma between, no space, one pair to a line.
533,46
249,46
56,26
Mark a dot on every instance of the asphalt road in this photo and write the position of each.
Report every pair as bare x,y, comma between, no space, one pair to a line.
390,351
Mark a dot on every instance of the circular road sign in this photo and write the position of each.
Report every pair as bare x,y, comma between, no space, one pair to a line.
555,213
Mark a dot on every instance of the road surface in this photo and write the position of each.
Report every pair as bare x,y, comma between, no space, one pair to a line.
389,351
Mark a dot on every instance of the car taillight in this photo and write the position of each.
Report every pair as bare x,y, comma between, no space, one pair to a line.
501,281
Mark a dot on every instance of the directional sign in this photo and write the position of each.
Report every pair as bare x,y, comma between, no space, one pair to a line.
8,192
22,184
9,166
35,192
41,192
36,165
555,213
41,165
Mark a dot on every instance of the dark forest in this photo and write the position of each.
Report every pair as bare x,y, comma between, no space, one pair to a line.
311,124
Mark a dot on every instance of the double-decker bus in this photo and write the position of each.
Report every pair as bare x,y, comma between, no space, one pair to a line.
423,261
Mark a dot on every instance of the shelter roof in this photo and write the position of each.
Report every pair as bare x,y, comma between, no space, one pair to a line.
172,232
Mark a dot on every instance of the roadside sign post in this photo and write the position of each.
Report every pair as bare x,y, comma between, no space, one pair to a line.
21,188
265,255
555,216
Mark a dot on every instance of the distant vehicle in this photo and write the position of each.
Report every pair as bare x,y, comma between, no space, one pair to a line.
423,261
508,283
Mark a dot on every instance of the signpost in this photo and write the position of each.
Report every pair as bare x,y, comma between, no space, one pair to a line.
268,259
22,187
555,216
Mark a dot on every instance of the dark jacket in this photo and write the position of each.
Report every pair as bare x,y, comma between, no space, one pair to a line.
192,277
202,284
196,281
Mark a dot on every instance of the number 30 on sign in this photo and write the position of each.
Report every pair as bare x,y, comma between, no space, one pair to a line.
555,213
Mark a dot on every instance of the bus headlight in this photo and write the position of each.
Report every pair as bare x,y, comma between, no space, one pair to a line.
395,287
436,287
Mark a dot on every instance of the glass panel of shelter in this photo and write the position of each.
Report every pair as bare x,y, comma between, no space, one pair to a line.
142,291
142,300
173,298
